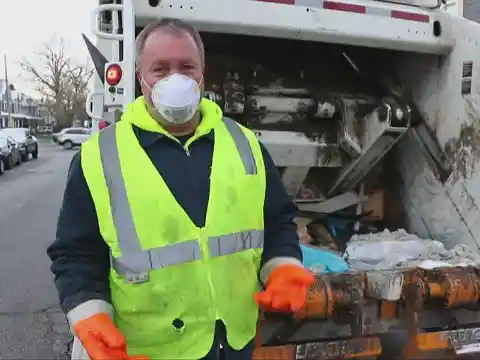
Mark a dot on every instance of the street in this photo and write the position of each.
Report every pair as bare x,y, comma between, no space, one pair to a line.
31,323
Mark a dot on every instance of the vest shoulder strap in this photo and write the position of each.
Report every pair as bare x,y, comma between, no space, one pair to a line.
237,132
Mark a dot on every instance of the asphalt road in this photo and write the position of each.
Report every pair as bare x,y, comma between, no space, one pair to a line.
31,324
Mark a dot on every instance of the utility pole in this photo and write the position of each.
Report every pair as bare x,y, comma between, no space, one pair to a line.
7,93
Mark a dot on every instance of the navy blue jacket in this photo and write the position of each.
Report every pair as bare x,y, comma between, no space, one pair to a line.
80,257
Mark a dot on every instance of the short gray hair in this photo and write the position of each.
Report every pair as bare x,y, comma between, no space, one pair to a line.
171,25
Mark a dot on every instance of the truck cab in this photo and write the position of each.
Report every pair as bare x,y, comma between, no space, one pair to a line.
347,96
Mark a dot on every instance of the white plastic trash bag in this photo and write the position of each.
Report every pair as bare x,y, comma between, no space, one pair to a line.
399,249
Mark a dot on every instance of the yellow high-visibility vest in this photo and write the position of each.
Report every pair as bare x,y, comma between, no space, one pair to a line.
171,280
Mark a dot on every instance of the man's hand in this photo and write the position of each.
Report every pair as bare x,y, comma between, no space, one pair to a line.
286,289
102,339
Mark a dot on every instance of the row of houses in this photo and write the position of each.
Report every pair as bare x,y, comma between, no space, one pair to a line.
25,111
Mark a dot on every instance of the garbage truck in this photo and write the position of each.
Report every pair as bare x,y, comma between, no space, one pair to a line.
370,110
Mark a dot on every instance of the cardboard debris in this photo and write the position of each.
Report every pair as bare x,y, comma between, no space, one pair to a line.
321,240
375,204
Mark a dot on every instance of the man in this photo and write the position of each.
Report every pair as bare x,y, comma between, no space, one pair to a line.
135,234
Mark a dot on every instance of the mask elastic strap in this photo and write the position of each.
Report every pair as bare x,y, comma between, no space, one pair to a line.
143,79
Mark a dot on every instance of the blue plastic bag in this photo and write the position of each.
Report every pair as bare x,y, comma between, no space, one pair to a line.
315,258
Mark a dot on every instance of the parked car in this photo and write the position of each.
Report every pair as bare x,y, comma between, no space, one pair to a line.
70,137
9,153
26,142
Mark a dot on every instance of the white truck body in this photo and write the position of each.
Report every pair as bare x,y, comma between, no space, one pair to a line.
427,58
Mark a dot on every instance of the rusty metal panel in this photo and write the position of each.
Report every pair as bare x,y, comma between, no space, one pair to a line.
471,10
445,208
431,212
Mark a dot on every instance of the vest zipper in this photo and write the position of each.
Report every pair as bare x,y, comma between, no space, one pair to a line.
210,281
209,276
212,290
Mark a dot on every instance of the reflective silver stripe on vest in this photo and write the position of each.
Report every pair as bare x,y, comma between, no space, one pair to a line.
134,260
243,146
229,244
158,258
121,213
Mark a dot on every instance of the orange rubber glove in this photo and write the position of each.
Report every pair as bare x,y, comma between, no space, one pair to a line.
102,339
286,289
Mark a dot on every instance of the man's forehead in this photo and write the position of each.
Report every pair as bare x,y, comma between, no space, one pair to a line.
165,42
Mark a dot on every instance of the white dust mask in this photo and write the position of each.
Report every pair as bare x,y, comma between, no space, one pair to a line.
176,98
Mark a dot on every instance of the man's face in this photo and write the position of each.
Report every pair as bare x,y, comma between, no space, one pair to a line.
166,53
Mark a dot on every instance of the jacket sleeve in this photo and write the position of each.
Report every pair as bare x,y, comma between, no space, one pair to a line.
281,243
80,258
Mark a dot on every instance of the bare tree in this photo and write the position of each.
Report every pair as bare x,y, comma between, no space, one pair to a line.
61,82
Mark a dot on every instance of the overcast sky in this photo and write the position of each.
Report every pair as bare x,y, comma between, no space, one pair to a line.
26,25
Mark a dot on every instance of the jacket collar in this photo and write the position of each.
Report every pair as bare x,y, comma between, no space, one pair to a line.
148,138
138,115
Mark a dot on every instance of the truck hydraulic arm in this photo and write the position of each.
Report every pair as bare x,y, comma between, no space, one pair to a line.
426,312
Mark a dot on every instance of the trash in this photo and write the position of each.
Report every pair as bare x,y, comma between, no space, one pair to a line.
302,230
322,260
375,205
399,249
